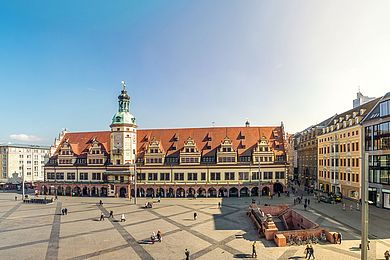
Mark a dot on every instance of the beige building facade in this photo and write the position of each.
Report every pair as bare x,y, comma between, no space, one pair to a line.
340,152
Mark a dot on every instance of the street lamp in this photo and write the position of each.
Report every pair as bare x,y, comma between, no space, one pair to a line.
135,180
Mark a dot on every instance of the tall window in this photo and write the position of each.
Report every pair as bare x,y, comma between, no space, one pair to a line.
83,176
243,176
215,176
179,176
141,176
71,176
229,176
192,176
267,175
152,176
96,176
164,176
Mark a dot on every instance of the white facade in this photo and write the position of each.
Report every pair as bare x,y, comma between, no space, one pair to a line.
19,160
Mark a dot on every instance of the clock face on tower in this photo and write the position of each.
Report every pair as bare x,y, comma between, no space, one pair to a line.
118,141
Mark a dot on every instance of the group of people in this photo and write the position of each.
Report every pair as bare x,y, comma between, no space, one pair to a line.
123,217
309,250
337,238
298,200
64,211
155,237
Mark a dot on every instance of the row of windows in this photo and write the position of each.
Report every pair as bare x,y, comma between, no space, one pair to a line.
342,176
95,161
344,135
153,160
210,159
189,160
214,176
65,161
72,176
343,162
343,148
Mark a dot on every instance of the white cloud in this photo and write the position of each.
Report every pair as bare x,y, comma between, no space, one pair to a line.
25,138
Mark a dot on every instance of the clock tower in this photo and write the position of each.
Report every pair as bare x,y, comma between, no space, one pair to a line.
123,137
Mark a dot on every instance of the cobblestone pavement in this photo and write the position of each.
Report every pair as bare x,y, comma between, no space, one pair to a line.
34,231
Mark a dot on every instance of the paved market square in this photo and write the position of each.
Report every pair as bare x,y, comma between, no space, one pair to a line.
37,231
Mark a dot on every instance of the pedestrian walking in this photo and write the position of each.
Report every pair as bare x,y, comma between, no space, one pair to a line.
16,198
63,211
100,203
187,254
111,214
305,201
387,255
308,202
339,238
159,238
101,216
311,252
219,205
66,211
305,206
307,250
254,254
123,218
195,215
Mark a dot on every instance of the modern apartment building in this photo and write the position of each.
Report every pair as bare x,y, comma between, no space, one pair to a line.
22,160
340,152
203,162
377,146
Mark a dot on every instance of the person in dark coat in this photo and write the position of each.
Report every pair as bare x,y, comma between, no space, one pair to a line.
187,253
254,254
101,216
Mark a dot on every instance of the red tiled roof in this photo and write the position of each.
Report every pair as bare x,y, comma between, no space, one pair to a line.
81,141
243,139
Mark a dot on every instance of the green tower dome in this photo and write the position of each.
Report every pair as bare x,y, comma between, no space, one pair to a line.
123,115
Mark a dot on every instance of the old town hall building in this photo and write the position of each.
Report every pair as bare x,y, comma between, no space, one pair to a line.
182,162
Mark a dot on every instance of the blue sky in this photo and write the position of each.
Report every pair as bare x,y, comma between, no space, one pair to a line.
186,63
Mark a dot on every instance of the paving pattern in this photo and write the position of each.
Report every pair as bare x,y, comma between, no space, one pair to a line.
35,231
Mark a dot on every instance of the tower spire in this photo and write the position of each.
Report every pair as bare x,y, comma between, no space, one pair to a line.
123,85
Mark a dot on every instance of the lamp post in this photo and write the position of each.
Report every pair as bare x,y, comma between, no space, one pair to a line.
135,180
364,196
23,183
